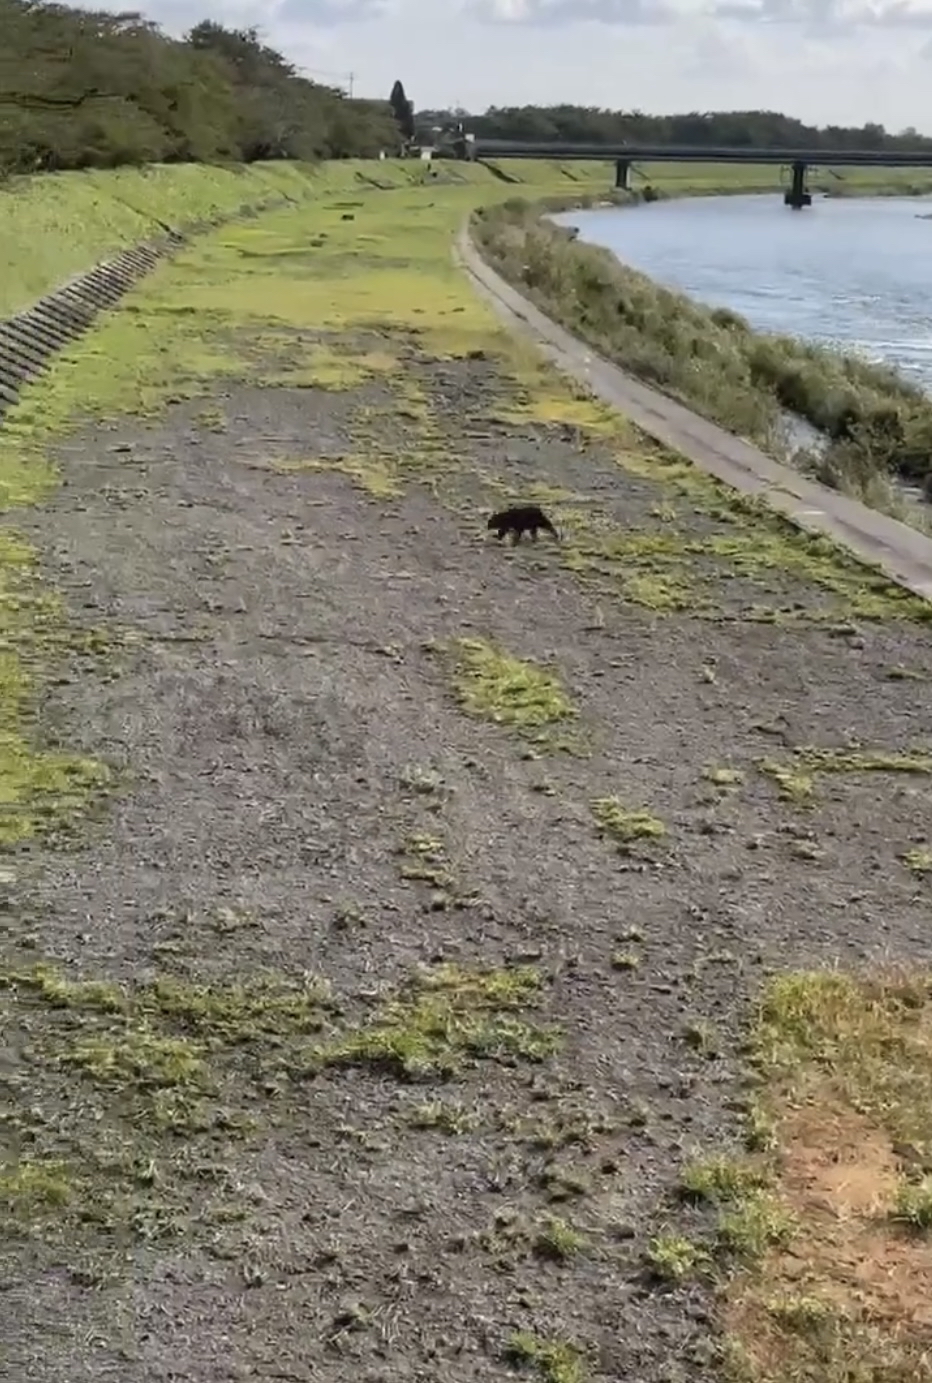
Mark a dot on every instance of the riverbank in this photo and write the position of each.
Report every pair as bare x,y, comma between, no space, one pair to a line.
880,542
875,423
349,1021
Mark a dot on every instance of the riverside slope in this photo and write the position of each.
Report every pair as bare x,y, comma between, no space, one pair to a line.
370,1033
901,552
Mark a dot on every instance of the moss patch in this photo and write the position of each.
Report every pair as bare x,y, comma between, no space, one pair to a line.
494,685
797,778
624,826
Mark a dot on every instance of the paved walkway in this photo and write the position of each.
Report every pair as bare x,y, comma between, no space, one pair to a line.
901,552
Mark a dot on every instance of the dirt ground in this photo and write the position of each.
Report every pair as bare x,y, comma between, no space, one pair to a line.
453,1161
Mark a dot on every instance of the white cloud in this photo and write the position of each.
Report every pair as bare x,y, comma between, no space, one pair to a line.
826,61
328,13
559,13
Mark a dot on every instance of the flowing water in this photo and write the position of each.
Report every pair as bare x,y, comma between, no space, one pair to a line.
851,273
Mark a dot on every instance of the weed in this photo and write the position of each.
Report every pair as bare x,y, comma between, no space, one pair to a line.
623,826
918,860
913,1203
445,1017
702,1037
376,476
494,685
443,1117
559,1241
797,780
720,1179
906,674
424,860
625,960
673,1258
423,782
554,1132
801,1314
756,1223
30,1187
794,785
142,1058
564,1184
554,1361
863,761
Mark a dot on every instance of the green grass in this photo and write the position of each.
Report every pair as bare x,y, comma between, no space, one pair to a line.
918,860
623,826
720,1179
61,224
797,779
40,788
116,1071
200,1064
446,1017
121,1076
722,180
492,684
55,225
671,1257
551,1360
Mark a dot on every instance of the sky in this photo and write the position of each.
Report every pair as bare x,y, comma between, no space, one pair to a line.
842,62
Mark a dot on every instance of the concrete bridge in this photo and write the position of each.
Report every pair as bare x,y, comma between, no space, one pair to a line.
625,155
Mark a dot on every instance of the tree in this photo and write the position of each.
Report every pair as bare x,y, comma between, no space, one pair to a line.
82,88
403,111
749,129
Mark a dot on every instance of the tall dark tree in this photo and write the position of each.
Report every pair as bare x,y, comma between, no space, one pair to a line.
403,111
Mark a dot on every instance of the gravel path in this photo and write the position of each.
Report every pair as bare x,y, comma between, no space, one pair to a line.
402,1178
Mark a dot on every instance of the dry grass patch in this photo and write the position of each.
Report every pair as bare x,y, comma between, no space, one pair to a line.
846,1064
796,778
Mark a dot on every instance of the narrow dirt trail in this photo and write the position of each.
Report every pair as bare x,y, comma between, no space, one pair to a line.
347,1046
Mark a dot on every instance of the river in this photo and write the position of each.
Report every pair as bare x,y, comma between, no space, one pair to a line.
854,273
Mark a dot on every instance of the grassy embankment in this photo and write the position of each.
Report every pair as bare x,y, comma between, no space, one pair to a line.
58,225
838,1058
720,180
878,425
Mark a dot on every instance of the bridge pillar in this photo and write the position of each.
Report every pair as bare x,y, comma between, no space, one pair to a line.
796,195
623,175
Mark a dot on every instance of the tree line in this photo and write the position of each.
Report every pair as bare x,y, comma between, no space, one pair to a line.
751,129
81,89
